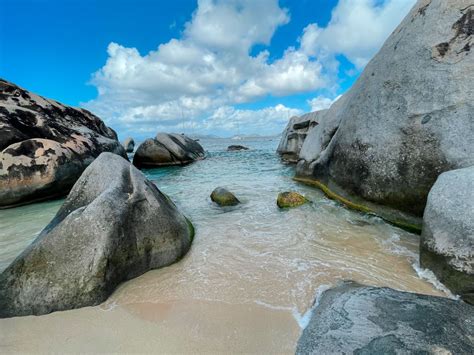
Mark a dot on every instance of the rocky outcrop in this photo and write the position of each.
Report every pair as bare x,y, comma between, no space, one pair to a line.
224,197
114,225
236,147
290,199
45,145
447,239
294,135
167,149
407,119
355,319
129,145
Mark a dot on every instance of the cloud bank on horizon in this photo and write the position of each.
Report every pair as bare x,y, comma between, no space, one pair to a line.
199,82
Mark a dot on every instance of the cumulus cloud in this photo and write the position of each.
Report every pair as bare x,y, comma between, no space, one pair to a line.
266,120
357,29
321,102
199,77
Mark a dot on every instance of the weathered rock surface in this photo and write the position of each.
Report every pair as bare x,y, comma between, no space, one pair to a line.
236,147
45,146
168,149
447,239
114,225
407,119
355,319
290,199
294,135
224,197
129,145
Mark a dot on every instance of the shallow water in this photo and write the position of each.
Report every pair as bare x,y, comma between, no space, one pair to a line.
250,278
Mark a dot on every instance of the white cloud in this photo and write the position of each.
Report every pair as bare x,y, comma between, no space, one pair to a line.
208,68
262,121
357,29
321,103
200,76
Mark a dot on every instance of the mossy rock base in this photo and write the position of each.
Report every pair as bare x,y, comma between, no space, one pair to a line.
290,199
394,217
458,282
224,197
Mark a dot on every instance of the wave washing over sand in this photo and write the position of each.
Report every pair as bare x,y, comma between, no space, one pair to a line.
252,275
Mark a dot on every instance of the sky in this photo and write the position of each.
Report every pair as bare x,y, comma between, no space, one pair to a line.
220,67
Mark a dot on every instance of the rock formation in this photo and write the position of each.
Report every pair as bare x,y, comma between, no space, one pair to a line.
447,239
407,119
294,135
45,145
236,147
355,319
114,225
290,199
167,149
129,145
224,197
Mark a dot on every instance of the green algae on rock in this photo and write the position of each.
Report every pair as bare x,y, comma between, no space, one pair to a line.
289,199
224,197
389,137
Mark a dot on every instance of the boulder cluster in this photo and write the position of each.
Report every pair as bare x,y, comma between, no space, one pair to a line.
400,142
114,225
45,145
166,150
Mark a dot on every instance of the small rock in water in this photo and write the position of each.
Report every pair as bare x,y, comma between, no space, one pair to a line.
233,148
224,197
290,199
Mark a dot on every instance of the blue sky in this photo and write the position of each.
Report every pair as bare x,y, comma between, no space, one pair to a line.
208,66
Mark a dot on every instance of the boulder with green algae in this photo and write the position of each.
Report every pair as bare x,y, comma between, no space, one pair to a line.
115,225
290,199
224,197
389,137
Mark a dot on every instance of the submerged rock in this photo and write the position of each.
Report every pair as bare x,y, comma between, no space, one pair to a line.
168,149
294,135
356,319
390,136
290,199
45,145
224,197
447,239
129,145
114,225
232,148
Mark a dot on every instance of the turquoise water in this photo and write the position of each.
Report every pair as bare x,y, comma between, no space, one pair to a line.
246,262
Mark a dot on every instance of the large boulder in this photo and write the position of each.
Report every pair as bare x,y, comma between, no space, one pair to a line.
294,135
447,239
167,149
129,145
407,119
45,145
356,319
114,225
